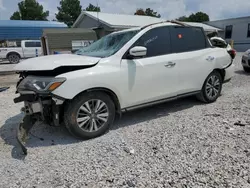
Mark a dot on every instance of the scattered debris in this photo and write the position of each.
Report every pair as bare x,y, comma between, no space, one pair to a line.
140,131
131,183
225,122
230,128
155,148
240,124
129,150
132,151
110,180
213,115
3,89
236,108
123,142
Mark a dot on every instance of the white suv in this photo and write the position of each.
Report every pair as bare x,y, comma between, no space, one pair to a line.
122,71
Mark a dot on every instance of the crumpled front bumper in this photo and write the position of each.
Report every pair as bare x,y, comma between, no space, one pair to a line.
37,108
23,130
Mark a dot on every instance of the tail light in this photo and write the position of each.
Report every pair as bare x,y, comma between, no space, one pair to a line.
232,53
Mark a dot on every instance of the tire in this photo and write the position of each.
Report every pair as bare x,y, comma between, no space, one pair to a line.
14,58
79,111
246,69
205,94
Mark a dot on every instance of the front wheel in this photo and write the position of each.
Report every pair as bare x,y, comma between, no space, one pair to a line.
211,89
246,69
89,115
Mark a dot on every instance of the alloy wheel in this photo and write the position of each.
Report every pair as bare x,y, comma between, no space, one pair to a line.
213,86
13,58
92,115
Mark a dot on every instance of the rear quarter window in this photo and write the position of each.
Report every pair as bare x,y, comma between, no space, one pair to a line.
38,44
30,44
185,39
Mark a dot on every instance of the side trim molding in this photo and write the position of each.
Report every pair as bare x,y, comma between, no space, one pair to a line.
159,101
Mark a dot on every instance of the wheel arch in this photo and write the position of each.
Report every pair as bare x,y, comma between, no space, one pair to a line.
222,72
109,92
12,52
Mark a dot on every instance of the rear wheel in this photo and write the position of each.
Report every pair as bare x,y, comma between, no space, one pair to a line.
246,69
211,89
89,115
13,58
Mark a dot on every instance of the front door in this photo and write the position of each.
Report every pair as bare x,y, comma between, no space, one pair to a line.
153,77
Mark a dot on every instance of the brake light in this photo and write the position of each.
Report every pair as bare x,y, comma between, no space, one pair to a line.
232,53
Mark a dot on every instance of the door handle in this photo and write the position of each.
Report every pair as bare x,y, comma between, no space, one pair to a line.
169,64
210,58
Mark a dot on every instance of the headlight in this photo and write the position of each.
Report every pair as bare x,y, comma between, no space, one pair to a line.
41,84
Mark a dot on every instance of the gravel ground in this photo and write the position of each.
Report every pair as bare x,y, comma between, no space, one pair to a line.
179,144
8,80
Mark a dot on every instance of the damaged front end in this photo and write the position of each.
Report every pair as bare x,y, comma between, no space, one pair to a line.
39,103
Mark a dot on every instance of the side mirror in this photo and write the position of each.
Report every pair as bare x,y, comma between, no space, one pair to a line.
137,51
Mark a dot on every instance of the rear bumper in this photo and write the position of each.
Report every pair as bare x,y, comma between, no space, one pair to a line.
229,73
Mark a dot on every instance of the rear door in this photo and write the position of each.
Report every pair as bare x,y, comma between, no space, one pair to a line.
32,49
38,48
192,55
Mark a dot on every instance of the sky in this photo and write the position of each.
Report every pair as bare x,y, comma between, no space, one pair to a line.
169,9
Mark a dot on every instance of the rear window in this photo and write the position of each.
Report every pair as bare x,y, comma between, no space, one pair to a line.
32,44
185,39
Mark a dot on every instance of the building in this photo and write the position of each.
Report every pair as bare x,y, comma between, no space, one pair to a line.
16,30
66,39
105,23
207,28
236,30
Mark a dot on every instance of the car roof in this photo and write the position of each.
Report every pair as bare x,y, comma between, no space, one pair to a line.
159,24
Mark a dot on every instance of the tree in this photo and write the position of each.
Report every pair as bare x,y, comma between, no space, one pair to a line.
69,11
140,11
147,12
183,19
16,16
30,10
197,17
93,8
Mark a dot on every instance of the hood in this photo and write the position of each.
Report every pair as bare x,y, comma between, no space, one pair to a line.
51,62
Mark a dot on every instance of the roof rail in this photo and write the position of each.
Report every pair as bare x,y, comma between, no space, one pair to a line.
178,22
170,21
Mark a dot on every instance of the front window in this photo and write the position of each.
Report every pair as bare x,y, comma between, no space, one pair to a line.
107,45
